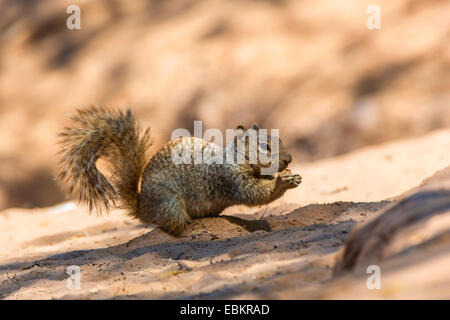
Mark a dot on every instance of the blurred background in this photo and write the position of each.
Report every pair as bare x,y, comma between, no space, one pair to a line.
311,68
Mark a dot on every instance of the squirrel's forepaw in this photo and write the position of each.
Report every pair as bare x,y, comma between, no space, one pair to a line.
289,179
296,179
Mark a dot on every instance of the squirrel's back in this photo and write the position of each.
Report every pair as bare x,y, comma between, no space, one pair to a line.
202,179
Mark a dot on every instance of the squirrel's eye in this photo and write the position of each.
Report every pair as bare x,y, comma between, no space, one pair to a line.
264,147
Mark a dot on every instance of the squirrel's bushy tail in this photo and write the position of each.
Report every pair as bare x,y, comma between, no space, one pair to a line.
102,132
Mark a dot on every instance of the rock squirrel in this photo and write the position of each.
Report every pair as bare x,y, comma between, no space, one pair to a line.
170,194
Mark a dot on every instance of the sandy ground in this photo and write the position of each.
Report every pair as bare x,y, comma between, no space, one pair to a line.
285,250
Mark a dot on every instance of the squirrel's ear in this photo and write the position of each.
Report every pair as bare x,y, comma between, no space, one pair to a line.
255,127
240,130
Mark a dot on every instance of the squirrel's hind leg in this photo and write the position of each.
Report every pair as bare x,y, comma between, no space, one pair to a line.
173,216
168,213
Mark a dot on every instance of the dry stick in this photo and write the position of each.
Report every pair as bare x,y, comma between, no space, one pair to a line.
366,244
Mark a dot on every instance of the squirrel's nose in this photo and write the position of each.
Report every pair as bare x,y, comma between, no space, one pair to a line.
289,159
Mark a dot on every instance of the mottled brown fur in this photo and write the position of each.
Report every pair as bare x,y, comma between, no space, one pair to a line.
171,194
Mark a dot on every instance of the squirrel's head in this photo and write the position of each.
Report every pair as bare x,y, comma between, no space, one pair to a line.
263,151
